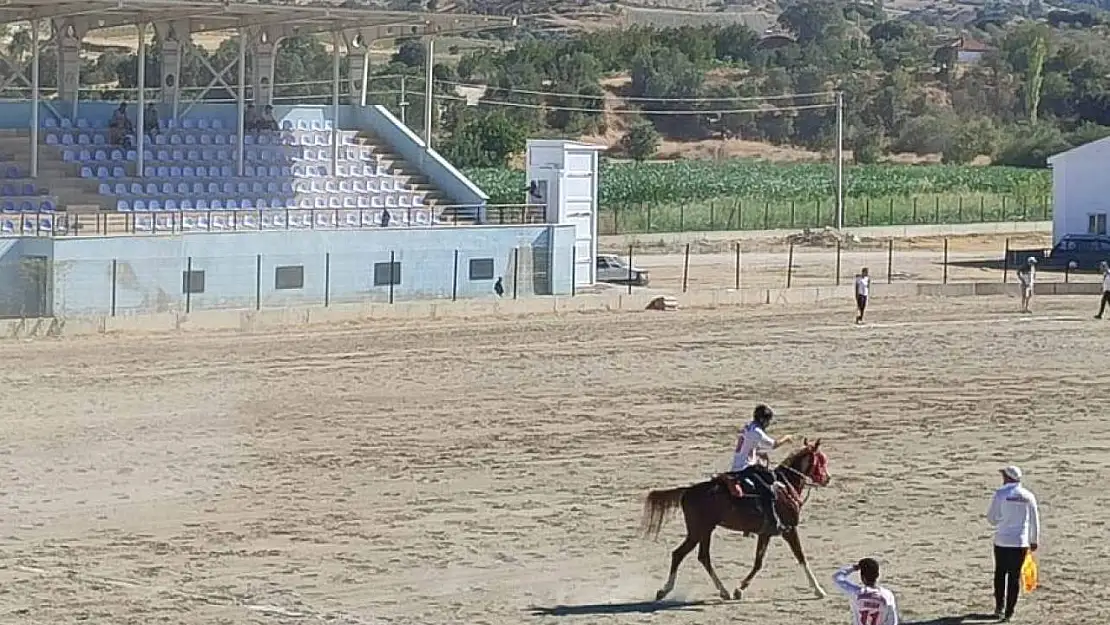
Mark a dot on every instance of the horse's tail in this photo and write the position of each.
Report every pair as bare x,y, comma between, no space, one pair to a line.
657,506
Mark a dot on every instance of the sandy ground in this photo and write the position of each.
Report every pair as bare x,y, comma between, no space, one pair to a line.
493,472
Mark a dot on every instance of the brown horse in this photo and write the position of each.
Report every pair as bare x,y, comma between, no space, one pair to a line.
708,504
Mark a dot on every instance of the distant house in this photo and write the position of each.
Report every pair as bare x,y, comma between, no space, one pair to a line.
970,51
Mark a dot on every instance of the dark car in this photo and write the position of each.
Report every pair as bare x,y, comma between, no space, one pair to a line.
1079,252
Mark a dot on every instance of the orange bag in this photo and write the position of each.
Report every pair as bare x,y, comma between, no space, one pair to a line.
1029,573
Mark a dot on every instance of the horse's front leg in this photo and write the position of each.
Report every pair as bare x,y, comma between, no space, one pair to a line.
792,539
757,564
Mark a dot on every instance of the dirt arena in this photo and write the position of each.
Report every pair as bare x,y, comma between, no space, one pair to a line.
493,472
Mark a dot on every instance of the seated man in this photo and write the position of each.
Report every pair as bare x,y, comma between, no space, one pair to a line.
250,119
754,442
150,119
119,127
267,121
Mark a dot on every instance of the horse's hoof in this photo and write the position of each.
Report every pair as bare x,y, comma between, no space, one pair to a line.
659,595
737,594
725,595
820,594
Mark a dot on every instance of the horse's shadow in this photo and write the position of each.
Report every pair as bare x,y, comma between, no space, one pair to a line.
966,619
633,607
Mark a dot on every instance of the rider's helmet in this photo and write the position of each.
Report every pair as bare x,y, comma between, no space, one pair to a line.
763,415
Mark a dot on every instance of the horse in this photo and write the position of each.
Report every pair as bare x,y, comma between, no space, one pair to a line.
709,504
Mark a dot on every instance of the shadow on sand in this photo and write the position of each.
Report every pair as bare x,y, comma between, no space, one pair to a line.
966,619
637,607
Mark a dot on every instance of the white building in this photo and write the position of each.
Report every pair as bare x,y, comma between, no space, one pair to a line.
1081,189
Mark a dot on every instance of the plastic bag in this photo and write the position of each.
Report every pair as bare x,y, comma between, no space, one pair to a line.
1029,573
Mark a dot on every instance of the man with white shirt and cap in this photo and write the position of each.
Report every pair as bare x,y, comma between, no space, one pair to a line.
871,603
1013,513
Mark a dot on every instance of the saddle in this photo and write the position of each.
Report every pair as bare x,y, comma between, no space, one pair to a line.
787,500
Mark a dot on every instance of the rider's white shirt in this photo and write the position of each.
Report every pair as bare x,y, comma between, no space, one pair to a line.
752,440
870,606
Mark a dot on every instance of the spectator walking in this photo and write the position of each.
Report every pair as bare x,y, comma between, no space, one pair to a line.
1014,515
1104,267
1026,276
863,291
119,127
498,287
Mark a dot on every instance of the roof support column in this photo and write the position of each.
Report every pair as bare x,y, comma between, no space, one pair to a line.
241,97
336,41
35,54
264,43
429,90
173,36
358,66
140,117
68,33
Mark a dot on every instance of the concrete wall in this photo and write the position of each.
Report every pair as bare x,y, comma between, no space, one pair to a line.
338,266
24,288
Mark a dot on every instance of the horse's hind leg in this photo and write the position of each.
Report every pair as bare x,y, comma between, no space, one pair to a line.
703,557
676,559
757,564
792,539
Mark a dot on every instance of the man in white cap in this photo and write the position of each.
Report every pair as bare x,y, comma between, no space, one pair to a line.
1026,275
1013,513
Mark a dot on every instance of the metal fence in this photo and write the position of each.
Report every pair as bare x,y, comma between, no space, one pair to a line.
752,264
772,214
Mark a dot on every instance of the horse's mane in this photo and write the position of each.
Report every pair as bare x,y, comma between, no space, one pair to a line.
794,455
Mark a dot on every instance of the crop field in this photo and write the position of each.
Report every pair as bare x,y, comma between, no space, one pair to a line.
746,195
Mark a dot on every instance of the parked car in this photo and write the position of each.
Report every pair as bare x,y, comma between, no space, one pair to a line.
1075,252
614,269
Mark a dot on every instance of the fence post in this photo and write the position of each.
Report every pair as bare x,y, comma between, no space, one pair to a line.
1006,261
392,277
327,279
936,209
818,224
573,271
739,214
1067,273
258,281
767,215
790,265
915,209
516,269
890,208
838,262
1003,208
960,209
630,270
712,210
890,261
682,218
455,279
945,279
649,217
867,212
686,268
982,209
793,207
738,262
114,264
188,284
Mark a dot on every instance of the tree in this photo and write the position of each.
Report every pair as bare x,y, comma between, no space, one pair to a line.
411,53
486,141
641,141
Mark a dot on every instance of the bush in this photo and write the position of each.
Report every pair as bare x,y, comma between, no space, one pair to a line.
641,141
1031,146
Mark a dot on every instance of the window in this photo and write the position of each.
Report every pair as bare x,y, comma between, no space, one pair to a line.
384,277
192,281
1096,223
289,277
481,269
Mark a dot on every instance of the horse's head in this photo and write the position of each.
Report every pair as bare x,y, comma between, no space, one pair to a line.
809,462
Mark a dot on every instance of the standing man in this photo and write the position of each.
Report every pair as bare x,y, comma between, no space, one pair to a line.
1013,513
871,603
1104,267
863,290
1026,275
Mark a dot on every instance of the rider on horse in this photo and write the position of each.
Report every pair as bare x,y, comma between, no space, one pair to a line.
753,444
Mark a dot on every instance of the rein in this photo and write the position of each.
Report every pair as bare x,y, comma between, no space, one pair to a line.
807,481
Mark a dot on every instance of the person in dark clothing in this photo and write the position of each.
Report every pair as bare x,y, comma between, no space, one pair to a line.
1104,267
498,287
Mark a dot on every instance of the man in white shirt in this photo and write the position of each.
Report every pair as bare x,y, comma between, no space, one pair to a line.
871,603
1026,275
1104,267
863,291
752,444
1013,513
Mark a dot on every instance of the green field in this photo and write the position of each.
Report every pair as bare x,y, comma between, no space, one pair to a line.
752,195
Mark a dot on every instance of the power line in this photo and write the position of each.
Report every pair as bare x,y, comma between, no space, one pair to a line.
580,96
572,109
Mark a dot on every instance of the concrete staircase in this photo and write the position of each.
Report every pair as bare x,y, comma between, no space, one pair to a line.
60,179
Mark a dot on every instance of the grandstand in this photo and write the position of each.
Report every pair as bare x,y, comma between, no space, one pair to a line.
202,169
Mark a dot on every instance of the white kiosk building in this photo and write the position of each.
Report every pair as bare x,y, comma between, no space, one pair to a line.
563,177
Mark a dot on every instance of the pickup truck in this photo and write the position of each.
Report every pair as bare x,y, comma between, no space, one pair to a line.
614,269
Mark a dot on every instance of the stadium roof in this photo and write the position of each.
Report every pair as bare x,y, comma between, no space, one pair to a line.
215,15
